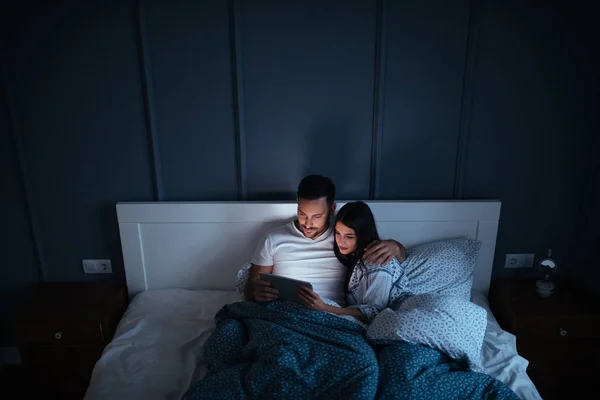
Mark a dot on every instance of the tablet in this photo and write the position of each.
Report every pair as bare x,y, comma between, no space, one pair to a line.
285,286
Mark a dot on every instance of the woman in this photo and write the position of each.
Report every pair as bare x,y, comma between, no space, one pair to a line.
370,288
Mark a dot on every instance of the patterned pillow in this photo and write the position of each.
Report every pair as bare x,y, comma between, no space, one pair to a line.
442,267
446,323
242,279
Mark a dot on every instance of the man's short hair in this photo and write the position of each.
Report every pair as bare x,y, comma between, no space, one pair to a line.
314,187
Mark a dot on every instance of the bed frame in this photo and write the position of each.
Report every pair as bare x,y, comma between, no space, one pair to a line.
202,245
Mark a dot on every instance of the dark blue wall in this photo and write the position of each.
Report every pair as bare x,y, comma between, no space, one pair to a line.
425,61
307,76
18,268
533,124
107,101
190,103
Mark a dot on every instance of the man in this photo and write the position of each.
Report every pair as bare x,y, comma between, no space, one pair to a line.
303,248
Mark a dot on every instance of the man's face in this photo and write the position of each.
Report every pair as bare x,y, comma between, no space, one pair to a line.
313,216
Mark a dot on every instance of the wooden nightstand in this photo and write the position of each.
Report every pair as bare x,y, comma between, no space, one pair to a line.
63,329
559,335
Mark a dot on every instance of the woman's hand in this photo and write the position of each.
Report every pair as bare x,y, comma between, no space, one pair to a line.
310,299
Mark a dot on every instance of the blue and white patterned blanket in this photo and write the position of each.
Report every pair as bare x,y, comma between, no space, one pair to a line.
281,350
419,372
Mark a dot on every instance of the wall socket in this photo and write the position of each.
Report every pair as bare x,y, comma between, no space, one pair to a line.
97,266
519,261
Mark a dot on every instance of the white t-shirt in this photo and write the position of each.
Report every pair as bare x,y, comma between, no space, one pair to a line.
295,256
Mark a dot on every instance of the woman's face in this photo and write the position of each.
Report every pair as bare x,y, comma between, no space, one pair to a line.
345,238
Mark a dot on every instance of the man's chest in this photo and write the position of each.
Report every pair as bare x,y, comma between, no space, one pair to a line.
291,253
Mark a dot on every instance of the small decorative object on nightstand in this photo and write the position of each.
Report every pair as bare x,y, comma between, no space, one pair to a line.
63,329
545,287
558,335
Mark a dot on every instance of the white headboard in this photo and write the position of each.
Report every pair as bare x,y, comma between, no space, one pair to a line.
202,245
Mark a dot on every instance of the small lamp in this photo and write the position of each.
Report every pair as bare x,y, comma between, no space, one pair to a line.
545,287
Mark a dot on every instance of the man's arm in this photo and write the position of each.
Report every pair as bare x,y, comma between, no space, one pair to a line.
257,289
381,252
262,261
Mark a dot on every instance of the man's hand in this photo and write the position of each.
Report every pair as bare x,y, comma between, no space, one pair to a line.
381,252
259,290
310,299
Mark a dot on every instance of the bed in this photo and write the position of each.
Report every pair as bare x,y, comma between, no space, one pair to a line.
181,261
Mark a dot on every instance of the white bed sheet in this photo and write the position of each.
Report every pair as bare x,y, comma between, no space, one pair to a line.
499,355
156,352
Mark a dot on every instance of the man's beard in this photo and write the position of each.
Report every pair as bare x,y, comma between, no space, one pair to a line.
313,232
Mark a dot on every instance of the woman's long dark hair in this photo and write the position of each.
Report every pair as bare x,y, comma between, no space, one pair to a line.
358,216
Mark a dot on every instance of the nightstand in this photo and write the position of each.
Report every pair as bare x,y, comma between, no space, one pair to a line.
559,335
63,329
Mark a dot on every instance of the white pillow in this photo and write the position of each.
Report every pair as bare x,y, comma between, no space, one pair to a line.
447,323
443,267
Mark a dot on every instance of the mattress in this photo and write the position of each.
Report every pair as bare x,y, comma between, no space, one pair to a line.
156,352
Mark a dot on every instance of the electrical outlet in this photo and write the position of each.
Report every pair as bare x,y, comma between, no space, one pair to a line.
519,261
97,267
